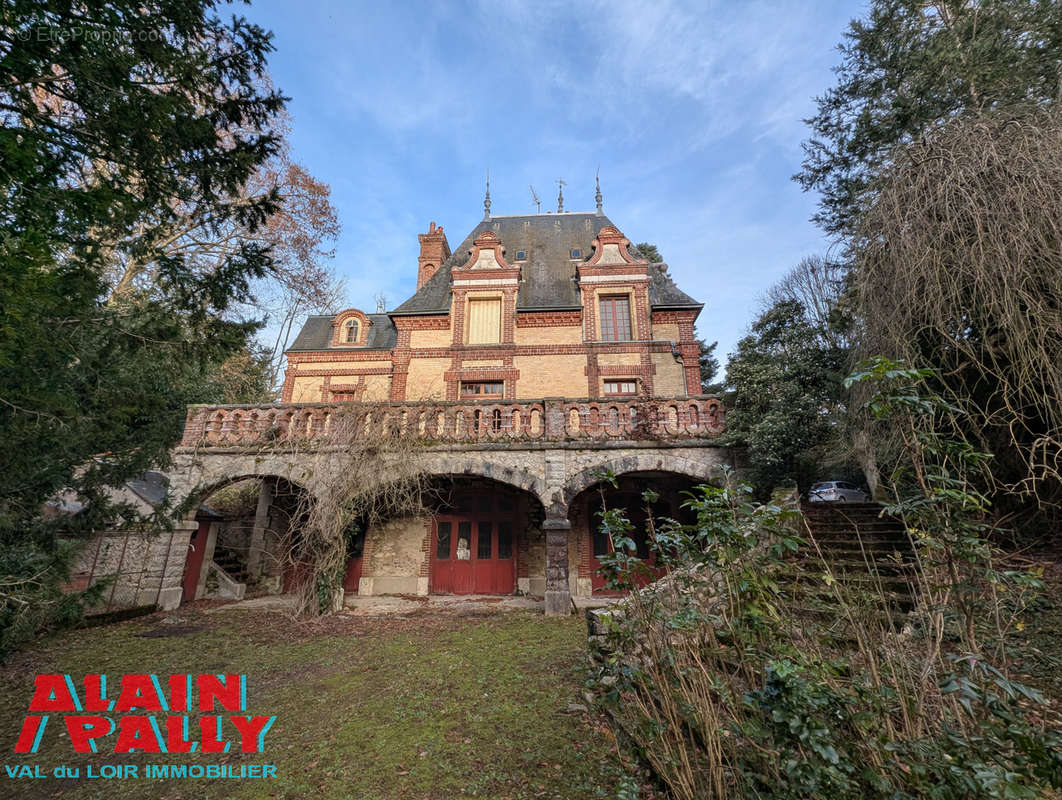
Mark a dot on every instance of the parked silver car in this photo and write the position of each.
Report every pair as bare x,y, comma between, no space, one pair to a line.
837,492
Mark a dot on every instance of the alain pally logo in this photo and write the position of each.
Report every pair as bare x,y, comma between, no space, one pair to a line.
175,715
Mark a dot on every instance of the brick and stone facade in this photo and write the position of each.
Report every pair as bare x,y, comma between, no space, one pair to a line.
541,351
548,283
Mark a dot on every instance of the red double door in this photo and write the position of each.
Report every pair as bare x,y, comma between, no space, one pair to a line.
635,510
473,547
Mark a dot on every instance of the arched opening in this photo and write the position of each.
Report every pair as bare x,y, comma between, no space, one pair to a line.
585,513
242,543
485,538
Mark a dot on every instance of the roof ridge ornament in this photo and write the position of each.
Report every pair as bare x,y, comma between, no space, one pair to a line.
597,190
486,198
560,195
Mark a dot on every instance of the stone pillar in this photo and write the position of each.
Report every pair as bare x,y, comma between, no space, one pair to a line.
261,522
558,594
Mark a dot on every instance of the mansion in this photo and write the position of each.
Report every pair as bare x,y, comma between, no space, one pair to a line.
541,354
543,305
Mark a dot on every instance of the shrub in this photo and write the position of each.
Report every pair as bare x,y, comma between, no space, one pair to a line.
748,671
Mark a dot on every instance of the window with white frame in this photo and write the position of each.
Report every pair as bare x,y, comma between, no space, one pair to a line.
621,386
615,318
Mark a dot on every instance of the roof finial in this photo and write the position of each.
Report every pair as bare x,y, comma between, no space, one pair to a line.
597,190
486,198
560,196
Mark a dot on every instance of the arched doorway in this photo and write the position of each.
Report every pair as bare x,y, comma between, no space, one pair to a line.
645,516
485,537
248,547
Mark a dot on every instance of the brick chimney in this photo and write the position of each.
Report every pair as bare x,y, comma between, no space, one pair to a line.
434,249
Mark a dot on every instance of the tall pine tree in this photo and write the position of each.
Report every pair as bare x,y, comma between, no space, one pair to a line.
115,120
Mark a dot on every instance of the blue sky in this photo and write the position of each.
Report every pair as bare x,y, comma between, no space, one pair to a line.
692,110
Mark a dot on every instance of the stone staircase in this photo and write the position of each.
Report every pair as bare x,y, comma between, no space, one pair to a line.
867,553
232,562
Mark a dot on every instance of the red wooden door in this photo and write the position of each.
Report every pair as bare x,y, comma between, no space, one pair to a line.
461,563
601,544
474,548
353,575
193,564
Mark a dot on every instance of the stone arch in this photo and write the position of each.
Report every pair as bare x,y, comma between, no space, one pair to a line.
637,462
477,467
189,496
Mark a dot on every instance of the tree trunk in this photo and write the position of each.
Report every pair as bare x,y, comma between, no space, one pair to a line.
863,448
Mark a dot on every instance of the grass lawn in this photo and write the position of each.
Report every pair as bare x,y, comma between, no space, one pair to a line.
434,705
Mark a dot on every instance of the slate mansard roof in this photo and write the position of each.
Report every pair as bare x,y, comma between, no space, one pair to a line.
316,334
548,275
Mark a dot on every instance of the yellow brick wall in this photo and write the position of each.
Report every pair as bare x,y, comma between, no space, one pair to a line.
306,390
430,338
377,387
668,380
569,334
425,379
618,359
550,376
668,330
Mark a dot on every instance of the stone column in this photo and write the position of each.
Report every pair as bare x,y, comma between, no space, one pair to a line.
558,595
261,522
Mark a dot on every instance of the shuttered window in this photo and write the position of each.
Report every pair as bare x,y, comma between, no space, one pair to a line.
484,321
615,318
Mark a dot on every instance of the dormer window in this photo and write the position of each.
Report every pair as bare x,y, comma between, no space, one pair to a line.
352,329
521,255
576,253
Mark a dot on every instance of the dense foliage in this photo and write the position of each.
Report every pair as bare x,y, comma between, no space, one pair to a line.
935,157
911,64
957,266
756,669
785,389
116,122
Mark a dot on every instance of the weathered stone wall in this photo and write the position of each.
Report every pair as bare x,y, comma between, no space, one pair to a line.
394,558
146,567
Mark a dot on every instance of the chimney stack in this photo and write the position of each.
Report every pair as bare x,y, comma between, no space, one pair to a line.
434,249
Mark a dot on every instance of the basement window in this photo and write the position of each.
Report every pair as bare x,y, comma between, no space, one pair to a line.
474,389
621,387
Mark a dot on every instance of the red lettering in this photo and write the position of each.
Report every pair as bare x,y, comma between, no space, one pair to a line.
179,691
96,693
28,735
175,741
138,691
250,728
226,689
51,693
85,730
210,735
137,733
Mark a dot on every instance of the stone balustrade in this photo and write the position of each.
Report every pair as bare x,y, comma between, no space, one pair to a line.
549,420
